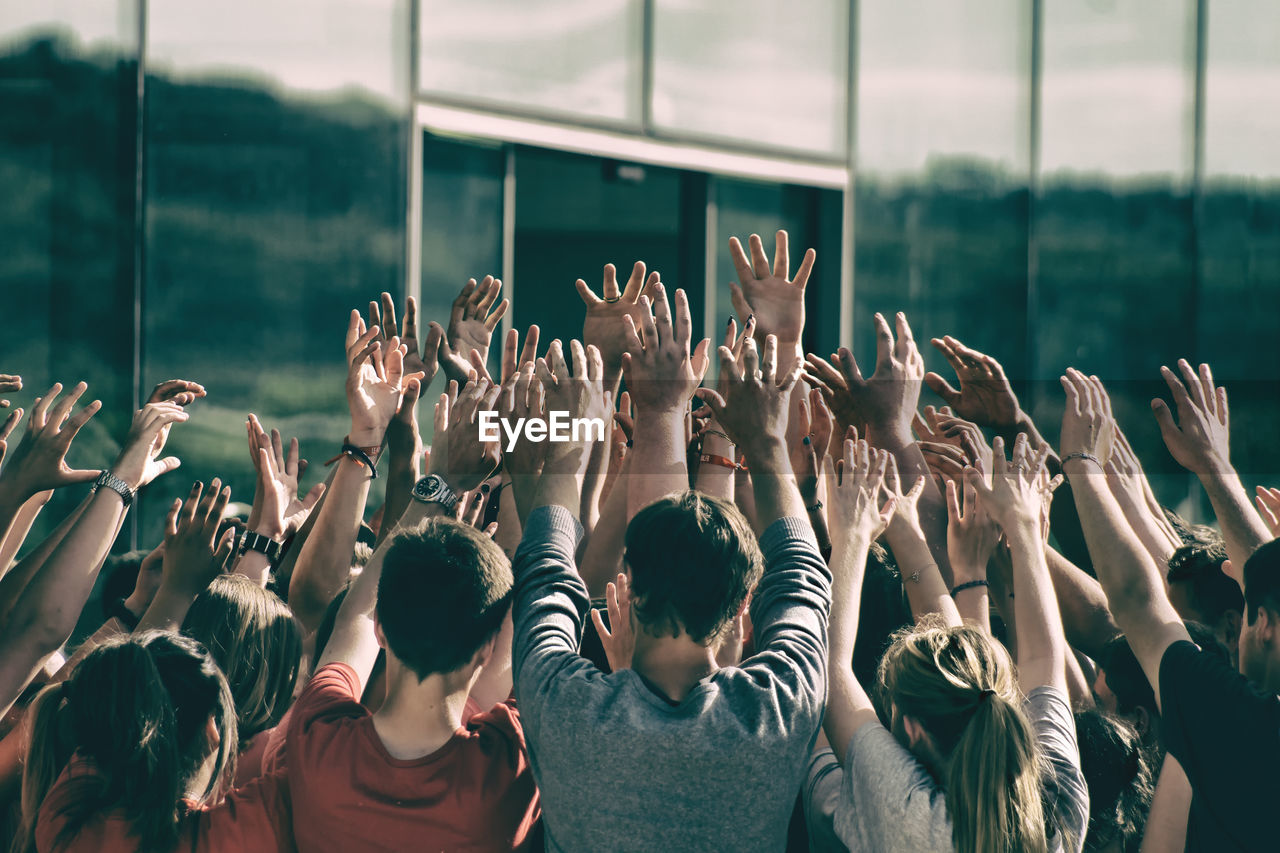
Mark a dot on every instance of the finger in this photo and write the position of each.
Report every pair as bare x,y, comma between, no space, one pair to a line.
493,319
953,503
410,330
389,325
1206,386
40,407
712,399
849,369
769,361
588,295
806,268
759,260
1194,388
941,387
171,519
906,342
191,505
683,326
10,423
740,262
781,256
739,301
884,342
313,495
635,282
648,326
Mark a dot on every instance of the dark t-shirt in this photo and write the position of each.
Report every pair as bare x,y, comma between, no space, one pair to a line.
1226,735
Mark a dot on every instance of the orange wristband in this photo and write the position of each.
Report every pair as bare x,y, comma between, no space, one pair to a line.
725,461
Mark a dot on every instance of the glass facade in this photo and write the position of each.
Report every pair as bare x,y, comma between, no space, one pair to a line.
203,191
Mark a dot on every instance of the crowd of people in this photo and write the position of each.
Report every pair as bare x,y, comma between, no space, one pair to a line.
784,609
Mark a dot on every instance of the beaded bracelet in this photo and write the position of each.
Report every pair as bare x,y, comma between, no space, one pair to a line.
970,585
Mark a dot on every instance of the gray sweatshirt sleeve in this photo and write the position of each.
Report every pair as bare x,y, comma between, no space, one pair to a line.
549,601
1067,794
789,609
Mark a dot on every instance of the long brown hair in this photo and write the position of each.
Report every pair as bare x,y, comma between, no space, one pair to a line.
959,686
255,639
138,709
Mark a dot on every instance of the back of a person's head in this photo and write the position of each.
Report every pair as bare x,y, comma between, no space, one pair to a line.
693,560
1262,581
1118,773
1211,593
1192,534
958,685
137,709
444,591
257,642
119,575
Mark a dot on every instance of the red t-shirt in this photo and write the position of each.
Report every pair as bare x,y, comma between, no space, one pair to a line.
252,819
474,793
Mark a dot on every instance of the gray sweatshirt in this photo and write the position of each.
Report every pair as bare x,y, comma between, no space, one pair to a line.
621,768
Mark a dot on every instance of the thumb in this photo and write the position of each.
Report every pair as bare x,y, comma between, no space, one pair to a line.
942,388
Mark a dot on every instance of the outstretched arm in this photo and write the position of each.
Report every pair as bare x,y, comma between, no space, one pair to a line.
1200,442
1129,576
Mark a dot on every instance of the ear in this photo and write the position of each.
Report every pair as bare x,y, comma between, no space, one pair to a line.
1142,721
916,735
1264,627
1231,621
212,735
484,654
377,633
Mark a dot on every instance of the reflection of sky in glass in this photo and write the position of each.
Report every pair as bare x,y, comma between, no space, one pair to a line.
941,78
570,56
1242,89
767,73
1118,78
93,24
304,45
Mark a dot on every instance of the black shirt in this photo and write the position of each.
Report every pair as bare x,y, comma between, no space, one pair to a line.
1226,735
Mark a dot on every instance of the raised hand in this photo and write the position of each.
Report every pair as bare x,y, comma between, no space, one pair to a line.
425,360
766,291
753,411
511,362
972,533
180,391
1019,487
619,639
471,324
137,465
985,396
580,393
1269,507
459,455
887,400
521,400
603,326
854,485
1200,440
375,381
1088,427
281,512
969,438
905,519
6,429
194,554
39,460
661,373
927,428
9,382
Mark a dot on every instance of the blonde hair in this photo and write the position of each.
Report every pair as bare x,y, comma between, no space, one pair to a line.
959,685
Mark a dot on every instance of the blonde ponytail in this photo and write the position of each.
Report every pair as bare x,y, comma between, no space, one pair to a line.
959,686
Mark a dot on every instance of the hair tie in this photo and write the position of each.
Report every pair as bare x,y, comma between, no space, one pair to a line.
986,694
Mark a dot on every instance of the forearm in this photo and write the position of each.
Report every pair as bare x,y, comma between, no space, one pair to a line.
658,465
1242,528
974,606
602,555
167,609
1042,647
403,471
848,705
932,508
773,484
926,591
1166,828
1086,617
21,526
593,482
813,497
324,563
713,478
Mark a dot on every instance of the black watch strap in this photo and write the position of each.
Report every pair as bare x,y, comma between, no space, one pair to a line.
263,545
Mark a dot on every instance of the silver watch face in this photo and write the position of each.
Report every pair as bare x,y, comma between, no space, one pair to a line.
430,488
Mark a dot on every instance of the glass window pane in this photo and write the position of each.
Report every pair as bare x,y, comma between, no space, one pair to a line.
67,151
1239,226
276,195
755,72
1113,226
941,191
574,214
570,57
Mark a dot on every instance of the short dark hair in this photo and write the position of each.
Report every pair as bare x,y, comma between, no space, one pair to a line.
1128,682
693,560
1200,565
444,591
1262,580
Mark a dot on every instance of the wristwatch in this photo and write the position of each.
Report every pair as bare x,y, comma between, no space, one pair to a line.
263,545
115,484
432,489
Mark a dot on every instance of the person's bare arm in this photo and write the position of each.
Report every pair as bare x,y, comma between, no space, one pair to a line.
1133,583
1200,441
46,611
21,527
1129,485
927,592
375,382
857,519
1086,616
193,555
661,375
971,538
1166,828
1016,499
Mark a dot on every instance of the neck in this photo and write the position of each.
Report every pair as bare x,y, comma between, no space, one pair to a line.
673,665
419,717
